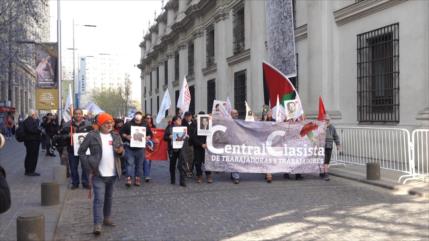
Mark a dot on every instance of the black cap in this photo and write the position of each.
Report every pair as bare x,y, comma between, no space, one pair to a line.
187,113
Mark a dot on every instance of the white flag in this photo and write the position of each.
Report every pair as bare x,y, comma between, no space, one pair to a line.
68,107
249,113
184,97
165,105
279,112
94,108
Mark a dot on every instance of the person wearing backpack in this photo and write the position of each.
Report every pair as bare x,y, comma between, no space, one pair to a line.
32,143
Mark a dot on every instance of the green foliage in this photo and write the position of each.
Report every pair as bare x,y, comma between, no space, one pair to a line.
110,100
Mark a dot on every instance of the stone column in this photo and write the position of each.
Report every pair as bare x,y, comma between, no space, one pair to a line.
423,115
181,11
223,81
200,84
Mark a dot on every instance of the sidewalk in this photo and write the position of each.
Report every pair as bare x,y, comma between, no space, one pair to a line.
26,191
388,179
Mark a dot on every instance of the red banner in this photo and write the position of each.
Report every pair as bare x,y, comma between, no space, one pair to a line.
156,150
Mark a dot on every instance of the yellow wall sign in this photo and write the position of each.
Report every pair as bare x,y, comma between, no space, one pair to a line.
46,99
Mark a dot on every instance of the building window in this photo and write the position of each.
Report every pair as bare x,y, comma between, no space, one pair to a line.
176,66
157,77
210,45
238,29
145,106
240,92
144,91
157,104
192,105
211,94
166,72
378,75
191,59
294,80
176,97
150,83
151,105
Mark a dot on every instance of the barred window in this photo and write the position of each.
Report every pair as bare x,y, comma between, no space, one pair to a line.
378,75
192,105
176,97
157,77
191,59
240,92
166,72
211,94
150,83
238,29
151,105
144,91
210,45
145,106
176,66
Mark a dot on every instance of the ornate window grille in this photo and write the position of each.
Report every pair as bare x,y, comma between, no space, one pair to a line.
238,29
378,75
210,45
211,94
240,92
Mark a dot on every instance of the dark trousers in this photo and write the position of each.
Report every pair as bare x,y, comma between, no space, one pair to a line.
74,171
31,155
176,158
199,161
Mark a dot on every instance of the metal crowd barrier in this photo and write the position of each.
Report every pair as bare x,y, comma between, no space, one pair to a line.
393,148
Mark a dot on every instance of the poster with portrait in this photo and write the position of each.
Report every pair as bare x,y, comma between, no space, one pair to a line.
138,136
77,141
220,108
293,109
204,125
179,135
46,65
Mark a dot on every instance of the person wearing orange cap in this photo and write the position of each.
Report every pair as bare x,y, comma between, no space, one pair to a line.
104,167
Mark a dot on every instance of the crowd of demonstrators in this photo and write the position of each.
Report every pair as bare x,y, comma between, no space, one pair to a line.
103,166
77,125
134,155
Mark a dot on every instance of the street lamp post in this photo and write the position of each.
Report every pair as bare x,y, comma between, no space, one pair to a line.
75,92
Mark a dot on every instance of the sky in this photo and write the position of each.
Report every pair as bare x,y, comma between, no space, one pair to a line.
120,25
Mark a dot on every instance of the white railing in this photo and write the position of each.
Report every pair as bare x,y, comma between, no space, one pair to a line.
387,146
419,160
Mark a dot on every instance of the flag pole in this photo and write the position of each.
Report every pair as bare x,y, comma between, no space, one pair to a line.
59,71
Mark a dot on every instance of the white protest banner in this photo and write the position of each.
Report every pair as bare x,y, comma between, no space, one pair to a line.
138,136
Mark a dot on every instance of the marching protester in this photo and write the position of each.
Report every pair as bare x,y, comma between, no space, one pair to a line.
78,125
188,149
32,143
5,200
147,164
331,137
200,146
134,155
175,154
103,166
50,128
235,176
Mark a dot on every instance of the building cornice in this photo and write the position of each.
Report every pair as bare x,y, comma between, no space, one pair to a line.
301,32
210,69
239,58
361,9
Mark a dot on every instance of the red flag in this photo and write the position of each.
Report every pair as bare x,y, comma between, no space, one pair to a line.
277,84
322,112
157,150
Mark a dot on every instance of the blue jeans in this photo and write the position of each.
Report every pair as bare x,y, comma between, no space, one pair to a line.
103,192
135,159
147,165
74,165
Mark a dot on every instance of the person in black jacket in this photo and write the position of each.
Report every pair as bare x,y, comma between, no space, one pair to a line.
188,148
200,147
32,143
175,154
134,155
4,192
79,125
51,128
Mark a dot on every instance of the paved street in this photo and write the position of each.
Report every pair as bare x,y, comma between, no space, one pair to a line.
253,210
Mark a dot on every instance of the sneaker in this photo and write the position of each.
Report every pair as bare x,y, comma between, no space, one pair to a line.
137,181
147,179
209,179
327,178
199,179
298,177
236,181
129,182
97,229
286,176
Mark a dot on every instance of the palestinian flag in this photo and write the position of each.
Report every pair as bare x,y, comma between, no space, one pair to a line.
276,83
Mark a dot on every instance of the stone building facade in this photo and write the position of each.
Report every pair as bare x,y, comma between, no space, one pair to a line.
24,24
368,59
